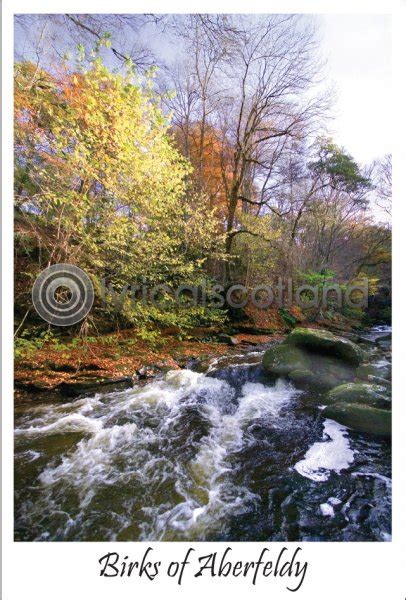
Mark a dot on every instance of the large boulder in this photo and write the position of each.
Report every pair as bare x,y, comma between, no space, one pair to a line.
306,369
324,342
282,359
370,394
325,372
361,417
303,378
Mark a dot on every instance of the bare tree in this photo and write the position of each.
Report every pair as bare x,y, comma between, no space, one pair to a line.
250,78
382,174
63,32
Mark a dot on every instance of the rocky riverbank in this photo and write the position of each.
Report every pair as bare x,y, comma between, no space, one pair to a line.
312,358
120,361
352,374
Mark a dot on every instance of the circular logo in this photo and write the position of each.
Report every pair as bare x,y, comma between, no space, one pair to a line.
63,294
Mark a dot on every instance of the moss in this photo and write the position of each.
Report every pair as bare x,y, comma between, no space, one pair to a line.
363,393
361,417
282,359
320,340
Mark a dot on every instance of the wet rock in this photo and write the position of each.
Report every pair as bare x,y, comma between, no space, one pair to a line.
385,344
282,359
303,378
369,394
147,371
384,338
154,369
92,385
306,369
35,385
353,337
183,359
224,338
330,371
366,341
365,370
325,342
380,381
361,417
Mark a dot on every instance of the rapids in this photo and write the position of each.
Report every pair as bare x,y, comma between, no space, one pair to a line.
227,454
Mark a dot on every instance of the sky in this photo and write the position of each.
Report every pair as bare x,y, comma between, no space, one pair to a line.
358,53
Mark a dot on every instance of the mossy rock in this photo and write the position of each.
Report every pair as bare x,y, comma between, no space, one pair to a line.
361,417
365,370
325,342
303,378
307,370
325,373
282,359
380,381
369,394
330,371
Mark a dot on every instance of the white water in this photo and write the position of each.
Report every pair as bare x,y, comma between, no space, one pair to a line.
120,449
332,454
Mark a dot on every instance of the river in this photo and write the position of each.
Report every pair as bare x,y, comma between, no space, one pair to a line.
225,454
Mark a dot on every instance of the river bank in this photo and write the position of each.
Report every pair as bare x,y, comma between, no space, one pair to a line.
120,359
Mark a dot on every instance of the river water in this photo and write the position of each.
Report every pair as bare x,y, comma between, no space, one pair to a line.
225,454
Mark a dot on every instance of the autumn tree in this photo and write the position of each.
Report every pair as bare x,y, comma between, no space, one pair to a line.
100,183
250,80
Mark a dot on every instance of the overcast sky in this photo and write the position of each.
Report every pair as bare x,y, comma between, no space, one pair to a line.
358,51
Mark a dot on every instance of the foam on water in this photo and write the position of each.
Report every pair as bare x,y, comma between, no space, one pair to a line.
327,510
66,424
173,460
115,453
332,454
210,466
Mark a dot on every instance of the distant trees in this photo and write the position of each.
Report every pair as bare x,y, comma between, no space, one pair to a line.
382,173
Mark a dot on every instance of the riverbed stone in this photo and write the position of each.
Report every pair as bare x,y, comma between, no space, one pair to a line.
370,394
380,381
282,359
306,369
360,417
224,338
93,385
325,373
303,378
375,369
325,342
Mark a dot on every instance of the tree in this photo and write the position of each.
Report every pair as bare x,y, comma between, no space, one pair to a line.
100,183
382,174
248,80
